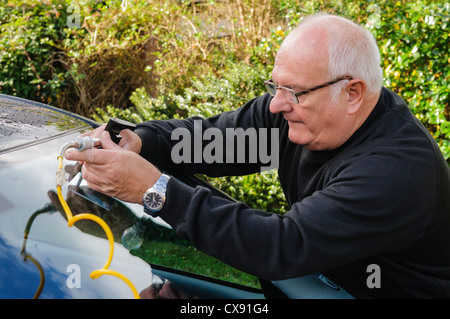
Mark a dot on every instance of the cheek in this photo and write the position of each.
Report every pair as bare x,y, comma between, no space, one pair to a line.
331,114
330,119
324,124
316,119
330,123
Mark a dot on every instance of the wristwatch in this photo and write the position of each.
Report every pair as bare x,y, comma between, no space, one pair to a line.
155,196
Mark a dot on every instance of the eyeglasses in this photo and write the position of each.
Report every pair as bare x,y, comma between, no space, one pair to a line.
290,94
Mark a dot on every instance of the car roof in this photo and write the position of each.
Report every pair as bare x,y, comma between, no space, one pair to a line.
23,122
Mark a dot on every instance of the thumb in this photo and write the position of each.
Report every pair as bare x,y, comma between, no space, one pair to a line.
130,141
126,135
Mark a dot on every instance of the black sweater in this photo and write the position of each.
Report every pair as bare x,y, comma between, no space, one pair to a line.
381,198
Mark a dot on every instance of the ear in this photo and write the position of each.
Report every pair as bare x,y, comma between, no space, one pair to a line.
356,90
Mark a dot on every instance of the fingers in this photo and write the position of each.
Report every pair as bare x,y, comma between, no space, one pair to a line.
101,179
116,171
96,133
94,156
90,174
126,176
107,142
91,156
130,141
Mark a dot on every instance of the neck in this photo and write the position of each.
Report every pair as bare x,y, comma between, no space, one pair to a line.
369,103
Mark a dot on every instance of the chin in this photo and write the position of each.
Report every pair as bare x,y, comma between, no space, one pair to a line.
299,138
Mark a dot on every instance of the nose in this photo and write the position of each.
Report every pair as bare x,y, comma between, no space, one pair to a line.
279,103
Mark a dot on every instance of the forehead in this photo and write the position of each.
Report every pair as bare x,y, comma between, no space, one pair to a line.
302,58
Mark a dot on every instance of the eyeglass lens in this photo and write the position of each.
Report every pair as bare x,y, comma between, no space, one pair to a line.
289,95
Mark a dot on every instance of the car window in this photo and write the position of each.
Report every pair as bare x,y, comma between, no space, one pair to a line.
23,122
163,247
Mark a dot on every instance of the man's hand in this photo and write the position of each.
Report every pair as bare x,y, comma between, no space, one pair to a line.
130,141
114,170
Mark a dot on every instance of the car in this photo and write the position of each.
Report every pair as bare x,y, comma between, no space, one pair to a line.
59,239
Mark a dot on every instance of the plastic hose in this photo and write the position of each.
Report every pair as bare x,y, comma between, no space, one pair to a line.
81,144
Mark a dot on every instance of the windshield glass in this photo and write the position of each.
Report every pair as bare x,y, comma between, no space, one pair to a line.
52,255
23,121
40,256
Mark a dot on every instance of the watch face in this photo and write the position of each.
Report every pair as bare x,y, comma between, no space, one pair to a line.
154,200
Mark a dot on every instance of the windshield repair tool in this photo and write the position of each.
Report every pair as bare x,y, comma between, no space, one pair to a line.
81,144
115,126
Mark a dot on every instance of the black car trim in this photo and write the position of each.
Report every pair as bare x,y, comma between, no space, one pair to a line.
207,279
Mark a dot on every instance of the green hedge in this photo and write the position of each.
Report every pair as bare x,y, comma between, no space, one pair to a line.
412,36
173,59
29,35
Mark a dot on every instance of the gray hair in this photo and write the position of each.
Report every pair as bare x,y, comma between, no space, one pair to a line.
352,51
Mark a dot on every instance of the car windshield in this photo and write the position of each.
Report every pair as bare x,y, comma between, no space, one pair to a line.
40,256
23,122
27,187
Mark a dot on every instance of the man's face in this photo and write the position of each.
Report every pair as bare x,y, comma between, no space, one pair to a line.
317,122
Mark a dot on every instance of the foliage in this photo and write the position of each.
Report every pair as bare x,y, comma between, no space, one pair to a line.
261,191
147,59
30,32
110,55
414,45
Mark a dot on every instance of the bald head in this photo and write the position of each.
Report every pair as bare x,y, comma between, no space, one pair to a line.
306,45
318,29
336,47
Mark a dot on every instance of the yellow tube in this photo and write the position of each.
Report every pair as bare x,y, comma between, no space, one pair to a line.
97,273
64,204
41,273
71,220
105,227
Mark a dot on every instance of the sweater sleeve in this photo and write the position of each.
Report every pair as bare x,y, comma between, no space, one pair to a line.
350,219
197,145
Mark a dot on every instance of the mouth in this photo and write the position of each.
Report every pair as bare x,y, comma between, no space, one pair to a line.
290,122
287,119
286,116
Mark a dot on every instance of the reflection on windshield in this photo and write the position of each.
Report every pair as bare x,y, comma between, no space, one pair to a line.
28,181
23,278
82,199
48,208
23,121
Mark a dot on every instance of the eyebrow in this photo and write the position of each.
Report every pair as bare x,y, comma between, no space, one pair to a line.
294,87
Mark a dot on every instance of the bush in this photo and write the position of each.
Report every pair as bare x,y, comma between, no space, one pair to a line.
31,32
110,56
173,59
414,46
412,40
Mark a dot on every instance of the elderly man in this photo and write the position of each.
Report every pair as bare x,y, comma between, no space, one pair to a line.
366,183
